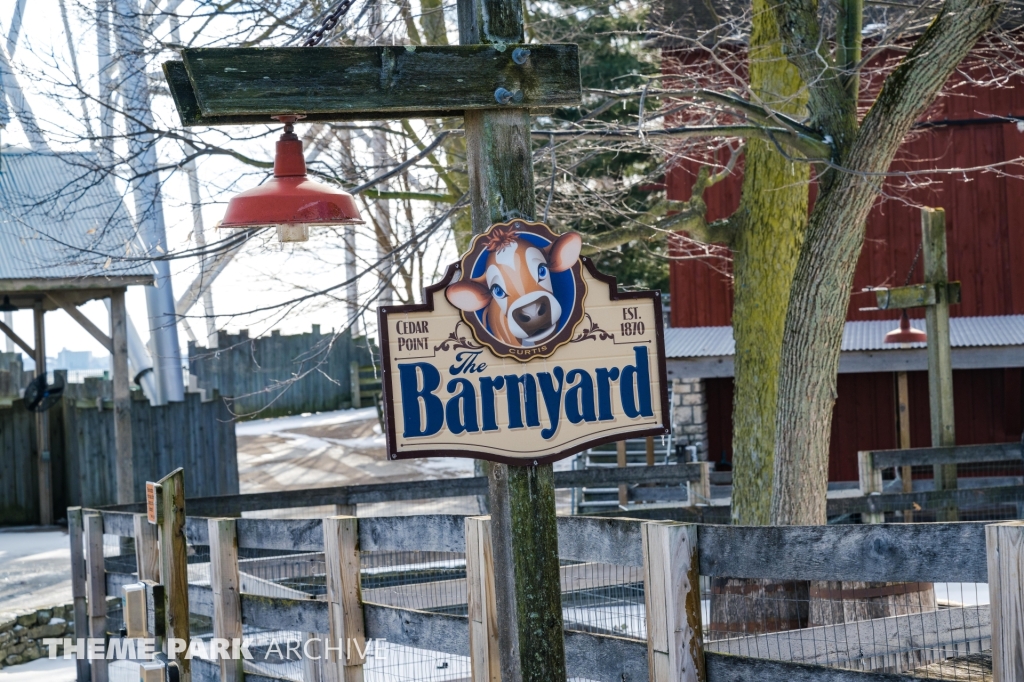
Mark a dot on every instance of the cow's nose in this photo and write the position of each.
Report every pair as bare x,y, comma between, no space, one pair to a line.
533,317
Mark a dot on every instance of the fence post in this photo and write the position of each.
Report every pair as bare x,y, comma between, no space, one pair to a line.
675,651
95,590
147,549
353,372
78,584
174,563
1005,545
870,482
226,584
699,491
344,601
622,461
483,615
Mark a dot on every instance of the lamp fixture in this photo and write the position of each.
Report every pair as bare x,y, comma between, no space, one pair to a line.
7,306
905,333
290,201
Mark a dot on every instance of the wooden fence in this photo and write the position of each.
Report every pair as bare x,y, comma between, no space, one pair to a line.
276,375
194,434
670,559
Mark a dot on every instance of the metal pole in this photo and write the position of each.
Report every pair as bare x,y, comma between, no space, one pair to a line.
149,214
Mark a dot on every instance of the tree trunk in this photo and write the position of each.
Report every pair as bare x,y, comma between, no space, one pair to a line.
835,234
771,221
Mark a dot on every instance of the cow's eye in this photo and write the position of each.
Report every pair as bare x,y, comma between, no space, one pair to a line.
497,291
542,272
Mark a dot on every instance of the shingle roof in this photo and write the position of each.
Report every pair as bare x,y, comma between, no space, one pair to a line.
60,219
1000,330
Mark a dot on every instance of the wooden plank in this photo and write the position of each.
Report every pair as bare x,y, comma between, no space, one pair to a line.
605,659
955,454
300,535
226,586
17,339
95,590
843,643
126,490
76,536
74,313
419,629
903,428
1005,546
604,540
672,599
147,549
225,505
727,668
425,533
301,615
174,562
341,551
121,524
485,663
378,82
915,552
926,500
620,462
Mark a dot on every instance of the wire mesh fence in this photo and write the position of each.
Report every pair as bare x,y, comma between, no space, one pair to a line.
938,631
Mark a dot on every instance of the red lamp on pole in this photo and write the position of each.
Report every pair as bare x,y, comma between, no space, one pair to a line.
290,201
905,333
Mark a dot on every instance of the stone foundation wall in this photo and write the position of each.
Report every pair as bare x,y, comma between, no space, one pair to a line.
690,415
22,634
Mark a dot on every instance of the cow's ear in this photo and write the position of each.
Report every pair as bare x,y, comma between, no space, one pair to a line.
565,251
468,295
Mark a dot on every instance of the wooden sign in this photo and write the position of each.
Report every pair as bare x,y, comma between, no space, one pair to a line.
524,354
153,502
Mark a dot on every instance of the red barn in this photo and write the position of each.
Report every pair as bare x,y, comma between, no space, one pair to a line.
974,128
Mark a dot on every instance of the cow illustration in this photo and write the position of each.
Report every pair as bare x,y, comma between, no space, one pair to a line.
516,290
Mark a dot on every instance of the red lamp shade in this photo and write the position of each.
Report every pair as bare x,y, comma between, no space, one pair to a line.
906,333
290,201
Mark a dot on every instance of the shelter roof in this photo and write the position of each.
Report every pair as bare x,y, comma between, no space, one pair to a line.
64,227
964,332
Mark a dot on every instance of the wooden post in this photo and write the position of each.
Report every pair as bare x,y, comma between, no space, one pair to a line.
483,617
1005,544
353,380
42,426
122,398
347,646
524,538
147,549
95,591
940,368
696,491
870,482
650,451
226,585
78,583
903,424
524,543
174,563
621,461
672,598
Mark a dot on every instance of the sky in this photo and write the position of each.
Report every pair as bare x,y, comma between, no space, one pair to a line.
265,274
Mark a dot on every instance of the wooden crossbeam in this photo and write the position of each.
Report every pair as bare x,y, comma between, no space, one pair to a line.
237,86
17,339
915,296
82,320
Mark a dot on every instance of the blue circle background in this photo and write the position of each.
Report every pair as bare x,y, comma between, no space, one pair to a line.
563,283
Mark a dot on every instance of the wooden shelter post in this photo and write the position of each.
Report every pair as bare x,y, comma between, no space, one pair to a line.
122,397
42,424
524,537
940,367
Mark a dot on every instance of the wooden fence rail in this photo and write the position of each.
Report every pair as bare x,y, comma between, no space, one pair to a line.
671,556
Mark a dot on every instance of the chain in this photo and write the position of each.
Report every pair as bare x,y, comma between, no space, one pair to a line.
329,22
914,264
